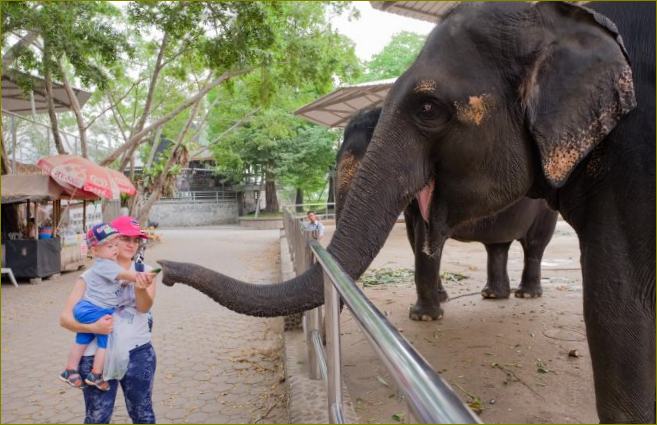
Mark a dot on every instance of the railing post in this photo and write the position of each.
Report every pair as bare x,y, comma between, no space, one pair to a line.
332,323
312,318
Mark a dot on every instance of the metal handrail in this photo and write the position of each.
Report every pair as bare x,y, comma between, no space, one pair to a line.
430,398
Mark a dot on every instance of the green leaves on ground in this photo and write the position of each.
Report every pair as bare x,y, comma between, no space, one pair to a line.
388,275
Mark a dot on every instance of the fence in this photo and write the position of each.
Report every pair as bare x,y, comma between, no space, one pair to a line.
429,398
201,196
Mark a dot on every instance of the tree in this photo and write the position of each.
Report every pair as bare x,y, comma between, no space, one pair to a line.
394,58
245,142
79,34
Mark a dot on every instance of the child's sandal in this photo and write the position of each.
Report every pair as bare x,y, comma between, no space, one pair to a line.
71,377
96,379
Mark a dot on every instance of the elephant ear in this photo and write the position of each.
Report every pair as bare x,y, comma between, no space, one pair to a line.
578,84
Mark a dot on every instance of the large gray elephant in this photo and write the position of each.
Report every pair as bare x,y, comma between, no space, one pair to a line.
505,101
530,221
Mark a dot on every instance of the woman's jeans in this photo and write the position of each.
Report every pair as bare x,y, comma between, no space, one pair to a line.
137,385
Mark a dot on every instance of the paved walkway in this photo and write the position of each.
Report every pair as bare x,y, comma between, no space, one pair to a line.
214,366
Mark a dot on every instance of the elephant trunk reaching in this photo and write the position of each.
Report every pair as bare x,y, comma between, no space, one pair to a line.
377,198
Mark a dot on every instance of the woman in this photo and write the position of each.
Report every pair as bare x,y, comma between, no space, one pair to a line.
130,326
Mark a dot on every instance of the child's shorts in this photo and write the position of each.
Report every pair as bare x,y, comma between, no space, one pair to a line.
87,312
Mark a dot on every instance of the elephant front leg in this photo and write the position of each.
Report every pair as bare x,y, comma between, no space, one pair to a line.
621,335
497,283
430,291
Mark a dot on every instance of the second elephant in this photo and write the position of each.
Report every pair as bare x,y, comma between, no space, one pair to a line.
529,221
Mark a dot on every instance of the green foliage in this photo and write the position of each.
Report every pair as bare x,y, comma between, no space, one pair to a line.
82,32
395,57
253,130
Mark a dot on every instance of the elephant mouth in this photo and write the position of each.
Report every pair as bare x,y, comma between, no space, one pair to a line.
424,199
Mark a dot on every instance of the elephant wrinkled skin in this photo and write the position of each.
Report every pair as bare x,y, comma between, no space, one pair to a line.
508,100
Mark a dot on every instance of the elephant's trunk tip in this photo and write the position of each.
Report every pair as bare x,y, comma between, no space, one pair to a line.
167,276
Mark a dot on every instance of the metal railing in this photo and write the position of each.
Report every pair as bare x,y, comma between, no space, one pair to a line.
201,196
429,398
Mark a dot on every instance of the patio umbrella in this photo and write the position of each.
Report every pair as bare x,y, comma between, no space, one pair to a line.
80,173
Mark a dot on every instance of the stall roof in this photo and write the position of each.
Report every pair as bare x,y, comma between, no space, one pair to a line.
431,11
32,187
335,108
15,100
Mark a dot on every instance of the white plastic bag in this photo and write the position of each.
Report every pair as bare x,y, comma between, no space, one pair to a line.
117,357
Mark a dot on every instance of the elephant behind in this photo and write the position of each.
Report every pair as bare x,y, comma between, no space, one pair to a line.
530,221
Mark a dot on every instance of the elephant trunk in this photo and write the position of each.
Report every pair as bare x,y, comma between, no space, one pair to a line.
391,173
266,300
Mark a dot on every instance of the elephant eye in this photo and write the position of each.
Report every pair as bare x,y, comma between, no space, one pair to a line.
430,113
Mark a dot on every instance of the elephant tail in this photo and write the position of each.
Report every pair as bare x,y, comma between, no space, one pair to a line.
299,294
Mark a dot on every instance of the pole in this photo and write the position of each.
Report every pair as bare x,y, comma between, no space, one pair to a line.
13,145
84,217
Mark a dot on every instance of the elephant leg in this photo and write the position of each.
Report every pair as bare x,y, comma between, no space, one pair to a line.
621,334
497,284
430,292
533,246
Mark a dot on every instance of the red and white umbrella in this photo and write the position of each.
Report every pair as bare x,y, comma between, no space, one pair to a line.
82,174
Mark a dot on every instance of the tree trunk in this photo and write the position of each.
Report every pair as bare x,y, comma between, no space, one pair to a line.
147,105
6,166
10,221
75,106
299,200
271,199
176,155
53,116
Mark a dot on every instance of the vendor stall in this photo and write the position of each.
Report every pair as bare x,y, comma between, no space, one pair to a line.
30,251
40,242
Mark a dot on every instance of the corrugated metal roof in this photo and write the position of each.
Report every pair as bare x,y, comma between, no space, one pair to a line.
431,11
15,100
335,108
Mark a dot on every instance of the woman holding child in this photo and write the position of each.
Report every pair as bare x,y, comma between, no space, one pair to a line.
130,327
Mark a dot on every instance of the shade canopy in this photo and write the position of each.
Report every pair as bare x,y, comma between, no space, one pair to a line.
72,171
29,187
14,98
431,11
336,108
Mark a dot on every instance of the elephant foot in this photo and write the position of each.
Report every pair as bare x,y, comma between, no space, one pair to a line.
528,292
425,314
442,296
493,292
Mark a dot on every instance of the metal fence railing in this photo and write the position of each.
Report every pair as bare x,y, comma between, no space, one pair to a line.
201,196
429,398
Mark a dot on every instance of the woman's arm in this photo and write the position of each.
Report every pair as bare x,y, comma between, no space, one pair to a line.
66,319
145,292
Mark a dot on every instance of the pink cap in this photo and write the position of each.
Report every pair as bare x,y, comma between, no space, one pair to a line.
128,226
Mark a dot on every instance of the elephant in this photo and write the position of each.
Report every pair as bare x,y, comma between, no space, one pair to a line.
529,221
507,100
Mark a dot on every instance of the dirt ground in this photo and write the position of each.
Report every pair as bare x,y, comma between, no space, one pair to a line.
509,357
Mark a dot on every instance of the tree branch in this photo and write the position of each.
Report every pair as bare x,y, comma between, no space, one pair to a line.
136,138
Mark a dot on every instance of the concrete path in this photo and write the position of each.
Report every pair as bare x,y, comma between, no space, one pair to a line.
214,366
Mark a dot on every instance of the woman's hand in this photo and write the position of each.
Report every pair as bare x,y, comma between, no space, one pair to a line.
103,325
144,280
